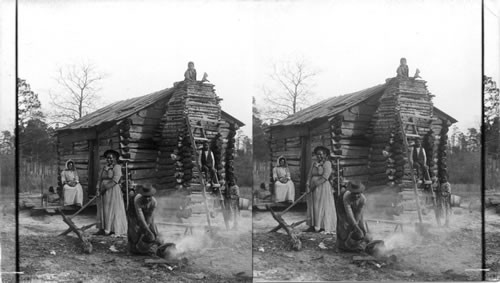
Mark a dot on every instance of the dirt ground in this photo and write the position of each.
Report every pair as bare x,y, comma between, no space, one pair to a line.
7,238
223,256
492,240
447,254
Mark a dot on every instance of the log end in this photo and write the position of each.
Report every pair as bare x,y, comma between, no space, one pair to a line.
297,245
87,248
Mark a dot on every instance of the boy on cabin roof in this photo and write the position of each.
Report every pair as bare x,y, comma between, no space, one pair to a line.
402,71
190,74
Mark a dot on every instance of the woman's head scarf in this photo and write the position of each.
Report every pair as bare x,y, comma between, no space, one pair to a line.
278,161
68,162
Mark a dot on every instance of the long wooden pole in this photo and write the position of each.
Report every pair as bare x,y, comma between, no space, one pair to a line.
126,184
83,207
41,186
295,202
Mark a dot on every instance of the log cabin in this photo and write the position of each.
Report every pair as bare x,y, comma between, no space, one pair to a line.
146,131
358,128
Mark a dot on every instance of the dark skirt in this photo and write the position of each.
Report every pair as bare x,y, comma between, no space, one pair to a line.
344,229
136,236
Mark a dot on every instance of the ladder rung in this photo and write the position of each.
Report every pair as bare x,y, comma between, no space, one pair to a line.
197,127
200,139
413,136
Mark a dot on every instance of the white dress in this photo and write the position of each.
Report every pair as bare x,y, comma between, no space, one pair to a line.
72,194
283,191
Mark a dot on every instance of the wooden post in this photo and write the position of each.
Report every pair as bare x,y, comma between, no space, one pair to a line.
41,186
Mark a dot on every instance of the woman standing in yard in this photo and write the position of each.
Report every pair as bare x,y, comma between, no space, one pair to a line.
284,190
110,207
320,203
72,190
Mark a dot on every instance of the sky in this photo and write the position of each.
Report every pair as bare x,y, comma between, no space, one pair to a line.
358,44
492,39
144,46
7,66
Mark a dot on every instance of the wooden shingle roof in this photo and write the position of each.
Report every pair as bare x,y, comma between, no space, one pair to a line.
122,109
118,110
338,104
330,107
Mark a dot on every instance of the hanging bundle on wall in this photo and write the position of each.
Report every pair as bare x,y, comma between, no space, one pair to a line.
230,151
442,152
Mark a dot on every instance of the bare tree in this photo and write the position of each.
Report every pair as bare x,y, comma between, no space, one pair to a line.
289,90
78,94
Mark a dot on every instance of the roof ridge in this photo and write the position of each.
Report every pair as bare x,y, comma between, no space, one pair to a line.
339,100
134,103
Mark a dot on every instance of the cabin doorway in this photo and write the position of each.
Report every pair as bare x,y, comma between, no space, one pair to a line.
305,161
93,167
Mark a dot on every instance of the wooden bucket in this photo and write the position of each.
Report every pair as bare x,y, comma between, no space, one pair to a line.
244,203
455,200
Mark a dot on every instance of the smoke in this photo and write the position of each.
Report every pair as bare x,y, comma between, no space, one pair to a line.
199,238
399,240
189,243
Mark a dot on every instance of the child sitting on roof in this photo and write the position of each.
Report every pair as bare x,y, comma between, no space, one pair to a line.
190,74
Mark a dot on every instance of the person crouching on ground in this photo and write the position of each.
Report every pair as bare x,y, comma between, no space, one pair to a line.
72,190
110,206
351,230
142,233
320,203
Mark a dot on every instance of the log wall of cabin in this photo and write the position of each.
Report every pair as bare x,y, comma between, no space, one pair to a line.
288,142
350,137
75,145
436,128
201,105
407,101
344,134
139,137
173,137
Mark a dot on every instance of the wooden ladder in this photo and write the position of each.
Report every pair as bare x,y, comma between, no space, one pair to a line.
201,137
200,174
405,141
